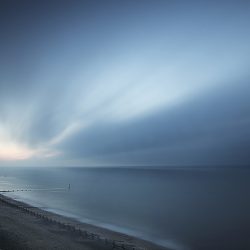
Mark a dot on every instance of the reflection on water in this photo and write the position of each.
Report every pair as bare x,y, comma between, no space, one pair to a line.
182,208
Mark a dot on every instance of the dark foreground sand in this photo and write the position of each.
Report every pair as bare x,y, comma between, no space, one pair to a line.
25,227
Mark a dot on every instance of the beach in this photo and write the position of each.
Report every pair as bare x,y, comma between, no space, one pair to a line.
26,227
173,208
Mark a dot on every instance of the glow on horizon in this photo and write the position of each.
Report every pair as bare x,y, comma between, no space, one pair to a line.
12,151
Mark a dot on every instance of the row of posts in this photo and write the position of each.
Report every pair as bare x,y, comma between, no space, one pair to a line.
114,244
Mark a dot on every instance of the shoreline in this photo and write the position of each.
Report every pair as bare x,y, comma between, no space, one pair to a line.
86,234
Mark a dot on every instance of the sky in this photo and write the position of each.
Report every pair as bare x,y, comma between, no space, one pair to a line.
124,83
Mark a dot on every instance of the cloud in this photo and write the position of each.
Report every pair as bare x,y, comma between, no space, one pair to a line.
125,82
210,129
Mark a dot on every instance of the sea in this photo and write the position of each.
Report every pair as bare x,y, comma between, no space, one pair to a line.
176,207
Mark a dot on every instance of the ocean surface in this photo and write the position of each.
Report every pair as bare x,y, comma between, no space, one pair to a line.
180,208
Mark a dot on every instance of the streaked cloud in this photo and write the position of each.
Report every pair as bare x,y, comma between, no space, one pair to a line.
111,83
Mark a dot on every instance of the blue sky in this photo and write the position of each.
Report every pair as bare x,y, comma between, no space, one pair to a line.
91,83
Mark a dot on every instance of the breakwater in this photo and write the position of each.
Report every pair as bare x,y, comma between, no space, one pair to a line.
70,226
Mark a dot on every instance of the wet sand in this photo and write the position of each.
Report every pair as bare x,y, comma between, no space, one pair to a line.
25,227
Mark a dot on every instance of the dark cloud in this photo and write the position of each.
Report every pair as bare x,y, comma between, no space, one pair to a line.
210,129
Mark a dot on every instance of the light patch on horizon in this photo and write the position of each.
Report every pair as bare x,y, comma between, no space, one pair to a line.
12,151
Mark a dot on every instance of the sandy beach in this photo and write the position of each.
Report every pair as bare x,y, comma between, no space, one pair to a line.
25,227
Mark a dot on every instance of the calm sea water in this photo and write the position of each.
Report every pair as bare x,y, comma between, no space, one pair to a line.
178,208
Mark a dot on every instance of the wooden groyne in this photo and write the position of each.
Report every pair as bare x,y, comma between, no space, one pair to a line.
32,189
71,227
